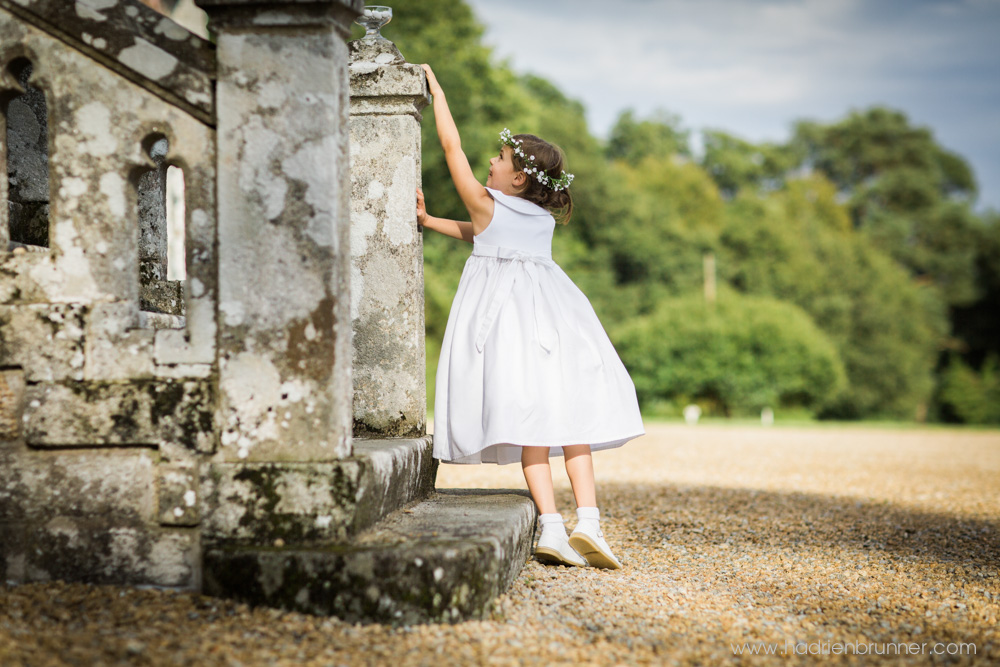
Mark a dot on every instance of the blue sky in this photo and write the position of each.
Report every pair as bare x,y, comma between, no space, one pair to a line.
752,67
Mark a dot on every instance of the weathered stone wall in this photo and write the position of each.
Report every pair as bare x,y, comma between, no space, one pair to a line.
387,298
104,424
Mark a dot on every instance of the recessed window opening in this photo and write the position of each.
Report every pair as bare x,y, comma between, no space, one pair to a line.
152,212
27,143
161,202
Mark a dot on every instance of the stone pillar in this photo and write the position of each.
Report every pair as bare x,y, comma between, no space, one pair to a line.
284,327
387,280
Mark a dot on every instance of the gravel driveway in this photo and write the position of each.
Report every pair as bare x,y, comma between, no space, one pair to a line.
881,543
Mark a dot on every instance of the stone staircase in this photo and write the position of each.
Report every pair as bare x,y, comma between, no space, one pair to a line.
401,552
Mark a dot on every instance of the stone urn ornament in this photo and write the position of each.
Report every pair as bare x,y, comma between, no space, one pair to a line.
372,20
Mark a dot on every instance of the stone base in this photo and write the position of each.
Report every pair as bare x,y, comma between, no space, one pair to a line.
442,560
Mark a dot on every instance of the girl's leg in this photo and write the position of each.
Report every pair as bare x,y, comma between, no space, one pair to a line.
553,543
587,538
580,468
538,475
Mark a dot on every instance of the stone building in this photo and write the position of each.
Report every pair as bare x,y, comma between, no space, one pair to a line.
256,428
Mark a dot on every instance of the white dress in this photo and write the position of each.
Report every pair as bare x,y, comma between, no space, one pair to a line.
525,362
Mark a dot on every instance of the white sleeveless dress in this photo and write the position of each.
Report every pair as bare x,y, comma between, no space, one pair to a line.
525,362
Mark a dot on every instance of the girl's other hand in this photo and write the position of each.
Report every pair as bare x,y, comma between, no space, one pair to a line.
421,208
432,82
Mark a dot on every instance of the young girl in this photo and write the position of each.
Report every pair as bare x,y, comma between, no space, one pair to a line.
526,369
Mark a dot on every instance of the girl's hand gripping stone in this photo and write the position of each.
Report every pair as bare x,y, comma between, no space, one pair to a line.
421,208
432,82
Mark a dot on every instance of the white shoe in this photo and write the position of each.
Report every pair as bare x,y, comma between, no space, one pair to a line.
554,549
591,545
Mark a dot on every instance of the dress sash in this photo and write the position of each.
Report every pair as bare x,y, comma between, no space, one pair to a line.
544,328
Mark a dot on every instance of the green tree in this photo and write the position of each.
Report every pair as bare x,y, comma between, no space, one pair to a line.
661,135
735,356
869,144
736,164
910,195
976,337
913,199
797,245
668,215
973,397
977,325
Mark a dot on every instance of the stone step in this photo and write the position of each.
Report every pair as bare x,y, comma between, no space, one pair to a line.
400,471
444,559
298,503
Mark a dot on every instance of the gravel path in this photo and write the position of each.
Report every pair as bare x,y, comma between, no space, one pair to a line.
808,540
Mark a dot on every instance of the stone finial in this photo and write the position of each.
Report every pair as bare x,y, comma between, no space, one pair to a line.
373,19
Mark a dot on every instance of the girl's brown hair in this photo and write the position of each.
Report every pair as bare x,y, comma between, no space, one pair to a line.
550,159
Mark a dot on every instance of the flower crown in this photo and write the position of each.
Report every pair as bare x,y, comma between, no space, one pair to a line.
561,183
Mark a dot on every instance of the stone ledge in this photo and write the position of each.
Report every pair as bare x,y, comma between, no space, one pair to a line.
442,560
258,503
162,296
401,471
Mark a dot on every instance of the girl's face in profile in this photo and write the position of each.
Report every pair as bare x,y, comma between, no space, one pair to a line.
502,173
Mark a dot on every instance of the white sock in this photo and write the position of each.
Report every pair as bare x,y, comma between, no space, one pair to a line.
589,519
552,523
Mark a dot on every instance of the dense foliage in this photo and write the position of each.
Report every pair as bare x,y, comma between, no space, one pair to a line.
735,356
974,397
856,280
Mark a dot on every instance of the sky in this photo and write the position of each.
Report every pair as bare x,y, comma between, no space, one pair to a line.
753,67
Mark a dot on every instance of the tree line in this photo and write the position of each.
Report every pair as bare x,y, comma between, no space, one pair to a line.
855,279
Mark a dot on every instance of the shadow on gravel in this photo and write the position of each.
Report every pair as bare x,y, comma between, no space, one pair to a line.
716,515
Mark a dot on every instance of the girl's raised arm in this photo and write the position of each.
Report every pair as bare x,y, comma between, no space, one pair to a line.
477,201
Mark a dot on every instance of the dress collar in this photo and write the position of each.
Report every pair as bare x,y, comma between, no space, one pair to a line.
517,204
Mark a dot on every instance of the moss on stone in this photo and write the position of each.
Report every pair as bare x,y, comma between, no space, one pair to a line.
262,518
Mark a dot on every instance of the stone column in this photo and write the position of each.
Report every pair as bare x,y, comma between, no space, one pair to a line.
387,281
283,188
